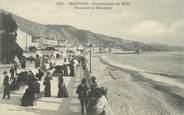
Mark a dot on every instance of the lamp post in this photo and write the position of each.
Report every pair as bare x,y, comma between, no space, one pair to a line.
90,45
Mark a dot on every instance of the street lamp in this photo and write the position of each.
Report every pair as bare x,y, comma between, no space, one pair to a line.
90,46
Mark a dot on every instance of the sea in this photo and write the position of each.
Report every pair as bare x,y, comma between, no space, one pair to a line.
154,77
167,63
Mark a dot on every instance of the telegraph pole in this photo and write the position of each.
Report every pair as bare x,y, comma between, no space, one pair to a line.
90,70
26,43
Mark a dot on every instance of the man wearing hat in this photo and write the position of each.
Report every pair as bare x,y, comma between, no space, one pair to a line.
93,82
82,91
6,85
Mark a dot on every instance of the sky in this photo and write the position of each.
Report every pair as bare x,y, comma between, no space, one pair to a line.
159,21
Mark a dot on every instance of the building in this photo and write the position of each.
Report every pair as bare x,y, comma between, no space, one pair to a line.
104,50
41,42
60,42
65,43
116,50
95,50
35,41
50,42
46,42
24,39
79,47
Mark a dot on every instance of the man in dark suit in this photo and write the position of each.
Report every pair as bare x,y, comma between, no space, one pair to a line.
82,91
6,85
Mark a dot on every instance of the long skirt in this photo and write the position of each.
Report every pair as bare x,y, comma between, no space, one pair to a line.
28,98
91,107
65,70
23,64
72,72
47,91
13,86
62,92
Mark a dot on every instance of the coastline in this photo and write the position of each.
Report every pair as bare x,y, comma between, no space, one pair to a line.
130,92
154,76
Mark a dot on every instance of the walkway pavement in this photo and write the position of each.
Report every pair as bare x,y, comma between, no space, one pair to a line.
71,105
47,105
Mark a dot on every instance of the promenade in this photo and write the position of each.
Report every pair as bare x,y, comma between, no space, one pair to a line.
46,105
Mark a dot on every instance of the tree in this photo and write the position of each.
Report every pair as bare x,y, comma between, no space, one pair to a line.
9,45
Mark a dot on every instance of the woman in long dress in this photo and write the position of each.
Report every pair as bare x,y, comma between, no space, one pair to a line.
47,90
72,71
62,92
65,67
101,104
29,95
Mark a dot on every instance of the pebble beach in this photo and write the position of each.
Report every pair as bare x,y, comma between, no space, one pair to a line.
134,93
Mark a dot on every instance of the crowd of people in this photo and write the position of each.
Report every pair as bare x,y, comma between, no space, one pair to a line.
44,69
92,98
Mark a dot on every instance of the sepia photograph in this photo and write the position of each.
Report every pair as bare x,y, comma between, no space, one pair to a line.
91,57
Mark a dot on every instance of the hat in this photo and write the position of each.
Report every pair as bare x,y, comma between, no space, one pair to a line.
5,72
93,78
102,91
83,80
48,73
58,73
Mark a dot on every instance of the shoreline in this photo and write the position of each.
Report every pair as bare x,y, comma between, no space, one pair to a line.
154,76
119,80
134,69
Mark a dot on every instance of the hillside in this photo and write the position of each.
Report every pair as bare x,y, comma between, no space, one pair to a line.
84,37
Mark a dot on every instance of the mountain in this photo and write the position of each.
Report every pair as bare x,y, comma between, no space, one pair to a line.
84,37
